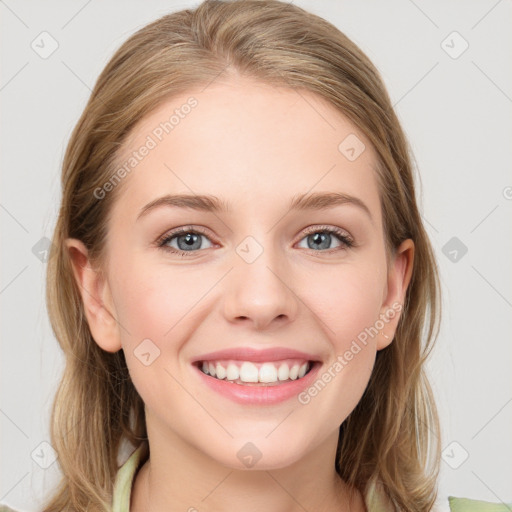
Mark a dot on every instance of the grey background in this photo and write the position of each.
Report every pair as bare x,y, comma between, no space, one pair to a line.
457,115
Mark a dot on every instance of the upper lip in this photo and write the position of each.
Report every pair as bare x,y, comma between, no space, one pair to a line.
250,354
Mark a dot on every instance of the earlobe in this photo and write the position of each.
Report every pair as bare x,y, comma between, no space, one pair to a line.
96,297
399,277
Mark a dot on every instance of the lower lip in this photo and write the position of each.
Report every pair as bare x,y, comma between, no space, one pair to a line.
260,395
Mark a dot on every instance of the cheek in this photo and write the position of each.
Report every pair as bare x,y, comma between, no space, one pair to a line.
157,308
154,299
346,298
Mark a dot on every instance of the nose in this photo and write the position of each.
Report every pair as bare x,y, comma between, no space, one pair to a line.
260,293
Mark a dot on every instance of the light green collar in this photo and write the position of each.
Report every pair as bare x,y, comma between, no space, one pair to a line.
124,479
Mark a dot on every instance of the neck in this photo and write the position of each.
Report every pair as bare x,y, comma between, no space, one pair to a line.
179,477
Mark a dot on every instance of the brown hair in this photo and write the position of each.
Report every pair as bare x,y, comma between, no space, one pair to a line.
392,436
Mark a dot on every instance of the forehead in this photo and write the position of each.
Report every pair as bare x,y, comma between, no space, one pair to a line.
247,142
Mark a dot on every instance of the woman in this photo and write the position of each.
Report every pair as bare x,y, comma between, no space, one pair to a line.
241,281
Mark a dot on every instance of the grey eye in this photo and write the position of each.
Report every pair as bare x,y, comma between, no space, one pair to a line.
189,241
320,240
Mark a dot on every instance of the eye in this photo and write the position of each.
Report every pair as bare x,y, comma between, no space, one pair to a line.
184,241
322,237
187,241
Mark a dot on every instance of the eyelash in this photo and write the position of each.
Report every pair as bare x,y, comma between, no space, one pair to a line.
342,236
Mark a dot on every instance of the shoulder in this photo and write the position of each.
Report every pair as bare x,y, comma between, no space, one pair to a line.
470,505
377,501
6,508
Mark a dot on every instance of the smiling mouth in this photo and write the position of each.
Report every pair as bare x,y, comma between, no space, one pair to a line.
248,373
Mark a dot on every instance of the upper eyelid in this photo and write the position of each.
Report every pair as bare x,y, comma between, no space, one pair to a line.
320,228
168,235
339,233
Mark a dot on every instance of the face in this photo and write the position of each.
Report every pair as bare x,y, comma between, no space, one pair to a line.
288,270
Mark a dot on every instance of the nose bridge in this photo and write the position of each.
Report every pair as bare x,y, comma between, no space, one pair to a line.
259,288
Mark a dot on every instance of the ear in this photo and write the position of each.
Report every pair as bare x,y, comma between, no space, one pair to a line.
399,276
96,297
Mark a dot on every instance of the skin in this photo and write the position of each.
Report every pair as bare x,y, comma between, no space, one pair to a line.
254,146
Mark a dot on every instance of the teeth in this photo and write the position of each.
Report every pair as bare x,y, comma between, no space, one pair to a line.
220,371
283,372
232,373
246,371
294,371
268,373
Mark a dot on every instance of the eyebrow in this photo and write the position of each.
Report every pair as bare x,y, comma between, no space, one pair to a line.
208,203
